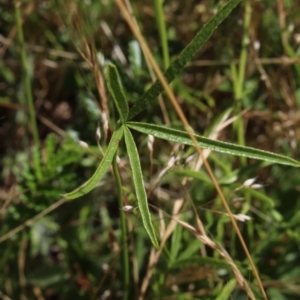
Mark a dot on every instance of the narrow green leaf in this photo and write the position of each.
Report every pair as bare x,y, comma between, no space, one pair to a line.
260,196
227,290
190,252
101,170
116,90
176,243
182,137
193,174
219,120
139,185
184,57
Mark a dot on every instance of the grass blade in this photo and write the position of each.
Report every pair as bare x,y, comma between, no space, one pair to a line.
116,90
139,185
185,56
227,291
193,174
101,170
182,137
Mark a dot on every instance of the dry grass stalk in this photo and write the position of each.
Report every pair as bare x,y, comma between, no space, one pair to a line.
87,49
29,222
154,255
201,235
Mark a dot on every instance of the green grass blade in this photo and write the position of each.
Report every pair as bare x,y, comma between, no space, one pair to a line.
193,174
101,170
139,185
161,25
182,137
227,291
185,56
260,197
116,90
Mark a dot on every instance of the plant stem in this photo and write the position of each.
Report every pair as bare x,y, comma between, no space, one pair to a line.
159,12
239,78
239,81
243,55
28,91
123,229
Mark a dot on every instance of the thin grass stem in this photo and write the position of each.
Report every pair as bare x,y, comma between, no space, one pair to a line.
160,20
125,254
244,53
28,92
240,78
239,92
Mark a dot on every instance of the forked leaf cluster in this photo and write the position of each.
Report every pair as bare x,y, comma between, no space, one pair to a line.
163,132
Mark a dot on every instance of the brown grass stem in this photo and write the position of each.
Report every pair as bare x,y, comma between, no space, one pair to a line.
29,222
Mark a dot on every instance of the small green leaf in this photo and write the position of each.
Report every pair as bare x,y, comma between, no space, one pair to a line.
183,137
227,290
184,57
260,196
116,90
139,185
135,57
193,174
176,243
101,170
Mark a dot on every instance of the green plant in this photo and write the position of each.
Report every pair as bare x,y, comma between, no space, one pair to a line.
162,131
100,243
